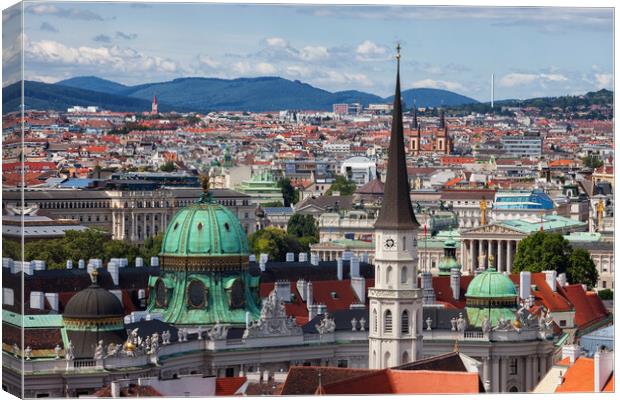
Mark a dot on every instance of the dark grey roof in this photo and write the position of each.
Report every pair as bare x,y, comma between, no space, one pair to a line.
94,302
396,211
292,271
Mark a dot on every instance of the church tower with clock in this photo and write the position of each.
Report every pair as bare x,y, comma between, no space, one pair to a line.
395,335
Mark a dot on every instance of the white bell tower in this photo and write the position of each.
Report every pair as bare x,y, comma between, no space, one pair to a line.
395,332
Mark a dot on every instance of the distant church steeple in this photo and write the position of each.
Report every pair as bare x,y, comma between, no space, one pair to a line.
154,105
415,116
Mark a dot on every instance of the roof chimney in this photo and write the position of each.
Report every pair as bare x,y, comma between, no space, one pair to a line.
550,278
603,368
572,351
525,284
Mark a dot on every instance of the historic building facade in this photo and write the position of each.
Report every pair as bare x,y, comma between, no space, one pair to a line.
127,215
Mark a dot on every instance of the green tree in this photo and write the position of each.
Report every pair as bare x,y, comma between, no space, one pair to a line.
272,204
168,166
275,242
289,193
11,249
300,225
582,268
592,161
342,185
542,251
152,246
606,294
120,249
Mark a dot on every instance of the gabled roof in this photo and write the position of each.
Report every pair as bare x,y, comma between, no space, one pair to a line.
229,386
389,381
579,377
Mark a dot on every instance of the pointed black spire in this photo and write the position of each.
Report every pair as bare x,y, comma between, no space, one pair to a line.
415,115
442,119
396,211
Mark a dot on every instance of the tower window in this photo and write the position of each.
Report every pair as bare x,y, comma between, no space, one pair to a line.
404,322
403,275
388,274
375,321
387,327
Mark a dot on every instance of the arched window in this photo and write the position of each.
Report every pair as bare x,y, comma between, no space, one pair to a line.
388,274
404,322
374,358
403,274
378,274
404,243
375,320
405,357
387,322
386,359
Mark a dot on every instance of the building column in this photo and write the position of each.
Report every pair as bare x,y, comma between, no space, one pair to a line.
480,251
509,256
542,363
486,374
528,373
503,374
535,378
463,251
495,374
489,252
500,265
472,255
123,226
133,227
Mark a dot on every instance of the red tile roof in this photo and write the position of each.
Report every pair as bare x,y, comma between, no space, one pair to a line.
579,377
229,386
589,308
388,381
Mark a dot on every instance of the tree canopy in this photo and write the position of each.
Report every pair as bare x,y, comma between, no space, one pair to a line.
277,242
301,225
342,185
289,193
544,251
76,245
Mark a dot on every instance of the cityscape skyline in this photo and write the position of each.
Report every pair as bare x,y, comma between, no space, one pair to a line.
530,50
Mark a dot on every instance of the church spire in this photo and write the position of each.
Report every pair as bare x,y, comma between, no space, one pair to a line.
396,211
415,115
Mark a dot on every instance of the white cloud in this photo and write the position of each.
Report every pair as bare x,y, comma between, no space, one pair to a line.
205,60
370,51
114,57
312,53
604,80
70,13
438,84
276,42
248,68
516,79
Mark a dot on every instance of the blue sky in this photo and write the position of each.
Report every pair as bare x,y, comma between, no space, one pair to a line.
532,51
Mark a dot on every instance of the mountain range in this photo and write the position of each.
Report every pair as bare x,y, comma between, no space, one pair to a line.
206,94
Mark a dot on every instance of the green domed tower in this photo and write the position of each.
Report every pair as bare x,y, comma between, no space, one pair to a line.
449,258
204,274
491,295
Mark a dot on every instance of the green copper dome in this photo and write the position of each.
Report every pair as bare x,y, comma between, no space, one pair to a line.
491,284
446,264
204,229
492,296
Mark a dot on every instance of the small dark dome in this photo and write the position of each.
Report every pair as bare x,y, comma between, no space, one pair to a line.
93,302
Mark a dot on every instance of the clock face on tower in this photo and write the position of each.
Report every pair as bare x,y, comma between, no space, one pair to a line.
389,243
